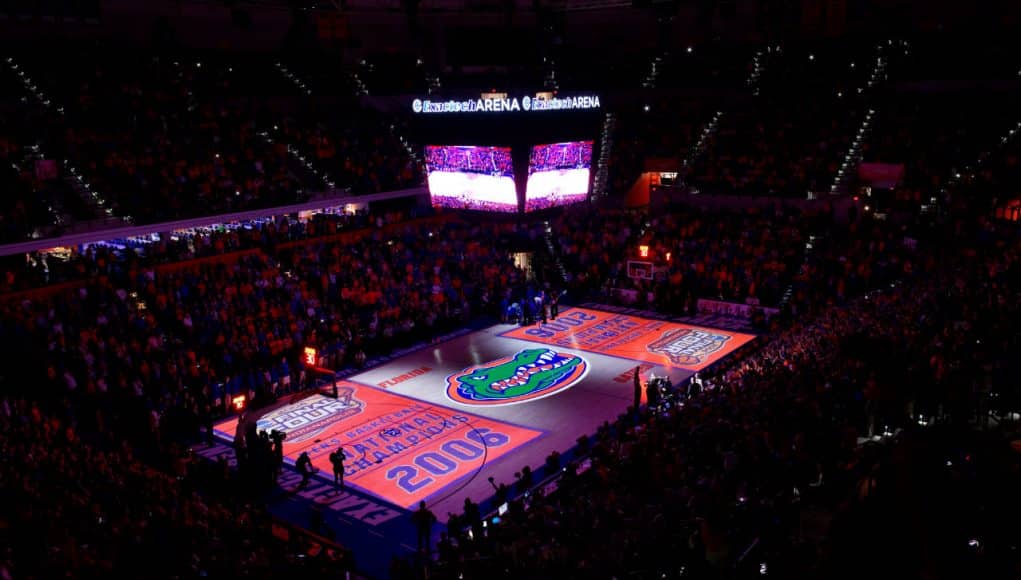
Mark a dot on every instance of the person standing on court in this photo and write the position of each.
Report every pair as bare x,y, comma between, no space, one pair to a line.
638,389
652,395
337,461
424,520
304,467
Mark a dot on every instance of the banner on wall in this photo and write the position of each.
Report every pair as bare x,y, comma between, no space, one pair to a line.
733,309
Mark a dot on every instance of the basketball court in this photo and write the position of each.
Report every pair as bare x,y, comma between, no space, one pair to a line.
437,423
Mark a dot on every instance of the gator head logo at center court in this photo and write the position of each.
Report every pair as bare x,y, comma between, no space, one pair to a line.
688,346
528,375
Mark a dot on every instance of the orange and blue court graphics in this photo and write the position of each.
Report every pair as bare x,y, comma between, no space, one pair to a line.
640,339
395,447
436,422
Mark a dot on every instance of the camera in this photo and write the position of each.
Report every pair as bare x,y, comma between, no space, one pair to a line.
277,436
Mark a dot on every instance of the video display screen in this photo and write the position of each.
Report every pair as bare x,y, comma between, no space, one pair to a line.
558,174
471,177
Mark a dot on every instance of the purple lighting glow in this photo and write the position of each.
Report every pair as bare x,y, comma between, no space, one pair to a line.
470,177
558,174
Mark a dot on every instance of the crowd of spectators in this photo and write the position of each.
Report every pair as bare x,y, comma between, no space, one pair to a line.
560,156
22,211
758,470
996,173
937,138
490,160
729,483
706,259
162,136
781,146
115,257
469,202
36,200
362,153
180,339
778,125
665,131
78,500
148,356
160,139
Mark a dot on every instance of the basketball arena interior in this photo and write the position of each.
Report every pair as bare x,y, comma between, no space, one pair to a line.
523,289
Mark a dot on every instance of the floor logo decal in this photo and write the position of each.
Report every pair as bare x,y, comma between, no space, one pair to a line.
526,376
688,346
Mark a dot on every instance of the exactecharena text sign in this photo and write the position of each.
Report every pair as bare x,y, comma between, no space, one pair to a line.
523,104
